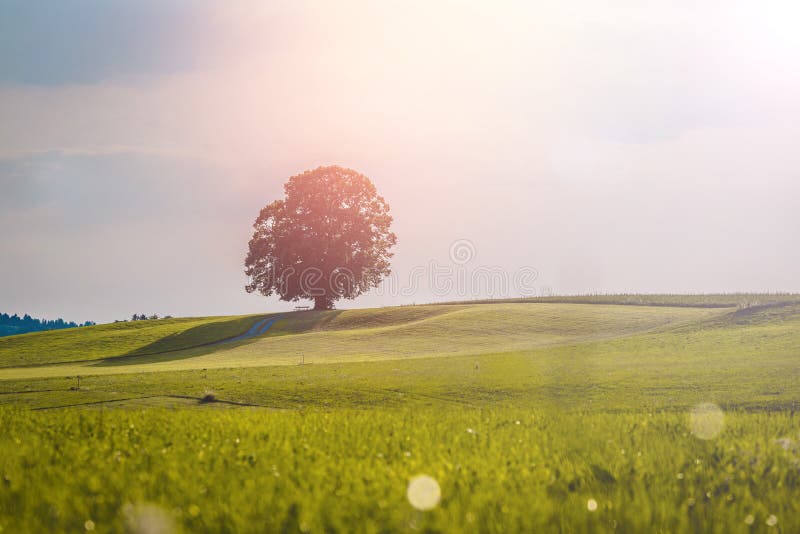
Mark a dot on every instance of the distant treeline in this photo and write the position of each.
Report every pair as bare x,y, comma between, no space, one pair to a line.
14,324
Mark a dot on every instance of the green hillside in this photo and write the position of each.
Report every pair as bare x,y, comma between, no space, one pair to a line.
118,339
530,417
332,336
609,357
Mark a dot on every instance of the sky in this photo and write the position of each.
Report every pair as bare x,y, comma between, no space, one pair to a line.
570,147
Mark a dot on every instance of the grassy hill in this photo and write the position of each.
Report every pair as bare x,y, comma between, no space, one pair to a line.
118,339
418,330
532,416
596,356
331,336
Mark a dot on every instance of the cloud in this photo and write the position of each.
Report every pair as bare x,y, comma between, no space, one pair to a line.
51,42
85,191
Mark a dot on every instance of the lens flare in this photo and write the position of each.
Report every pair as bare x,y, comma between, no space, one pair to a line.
706,420
424,493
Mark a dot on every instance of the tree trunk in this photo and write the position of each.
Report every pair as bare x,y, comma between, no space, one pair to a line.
322,302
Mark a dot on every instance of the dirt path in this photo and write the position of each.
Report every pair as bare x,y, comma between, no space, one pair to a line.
257,329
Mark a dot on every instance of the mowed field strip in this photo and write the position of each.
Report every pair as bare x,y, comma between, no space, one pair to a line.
331,337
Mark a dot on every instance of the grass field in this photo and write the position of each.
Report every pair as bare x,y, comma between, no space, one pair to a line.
531,416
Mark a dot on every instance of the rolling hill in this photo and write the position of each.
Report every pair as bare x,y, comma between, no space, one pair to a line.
531,416
334,336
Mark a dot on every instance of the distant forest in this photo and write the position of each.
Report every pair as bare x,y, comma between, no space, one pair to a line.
14,324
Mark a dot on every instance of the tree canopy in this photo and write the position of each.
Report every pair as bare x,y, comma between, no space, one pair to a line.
329,238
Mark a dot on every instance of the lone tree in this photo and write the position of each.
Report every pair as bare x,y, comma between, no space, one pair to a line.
328,239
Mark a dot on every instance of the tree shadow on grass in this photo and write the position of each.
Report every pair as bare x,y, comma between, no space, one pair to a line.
196,341
211,337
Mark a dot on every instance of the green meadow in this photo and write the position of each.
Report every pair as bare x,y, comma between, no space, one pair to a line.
591,414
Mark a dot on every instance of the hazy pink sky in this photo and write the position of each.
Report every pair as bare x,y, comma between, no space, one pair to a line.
621,146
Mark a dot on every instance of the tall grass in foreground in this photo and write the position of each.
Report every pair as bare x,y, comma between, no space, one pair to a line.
500,469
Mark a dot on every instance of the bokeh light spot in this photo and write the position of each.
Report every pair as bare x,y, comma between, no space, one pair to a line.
424,492
706,420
